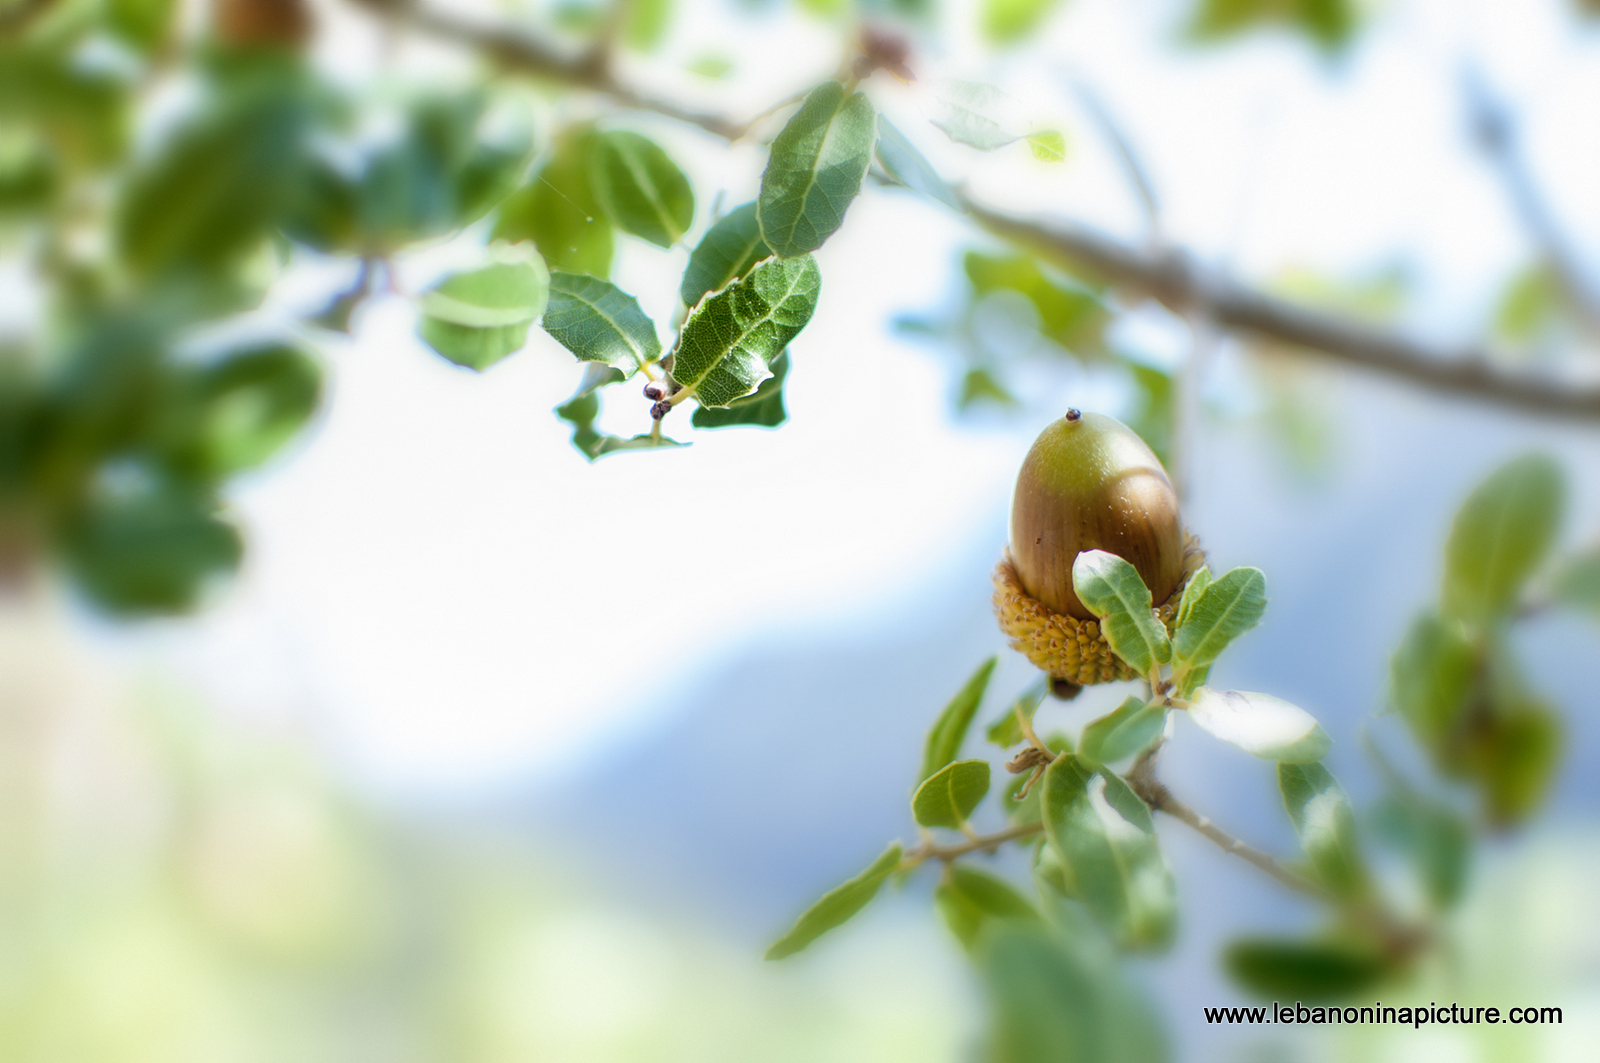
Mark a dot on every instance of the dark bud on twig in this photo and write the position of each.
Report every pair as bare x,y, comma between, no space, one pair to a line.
652,391
660,410
1065,689
886,50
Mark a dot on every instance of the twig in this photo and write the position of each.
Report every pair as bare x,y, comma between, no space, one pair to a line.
1132,167
1174,279
987,842
1495,130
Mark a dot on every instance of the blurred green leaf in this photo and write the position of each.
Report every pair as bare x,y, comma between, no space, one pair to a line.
1112,590
1011,21
902,161
142,24
599,322
1260,724
581,410
1530,303
1311,971
1516,754
971,901
728,251
947,797
1500,535
82,113
1122,733
478,317
950,729
1329,23
246,406
149,550
762,408
1152,416
1326,825
1577,582
559,212
837,906
1431,677
729,341
641,188
1048,146
1436,841
715,67
815,169
1007,731
1225,609
1071,315
647,23
1055,998
1106,840
979,385
974,114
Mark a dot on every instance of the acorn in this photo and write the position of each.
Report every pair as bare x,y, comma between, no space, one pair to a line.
1088,483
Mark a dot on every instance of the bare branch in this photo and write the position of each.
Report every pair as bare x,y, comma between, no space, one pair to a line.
1176,280
1495,129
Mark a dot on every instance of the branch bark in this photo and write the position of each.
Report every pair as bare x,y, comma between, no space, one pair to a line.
1178,282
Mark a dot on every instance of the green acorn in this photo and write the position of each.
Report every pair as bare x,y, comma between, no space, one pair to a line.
1088,483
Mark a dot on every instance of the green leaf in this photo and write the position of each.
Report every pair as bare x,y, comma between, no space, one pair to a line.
151,550
1007,731
1062,998
1128,730
728,251
1305,970
1529,305
1431,677
763,408
1516,756
1106,840
1224,610
1070,314
815,169
979,385
1111,589
714,67
581,411
1436,840
1329,23
1326,826
1260,724
1010,21
599,322
975,115
1048,146
478,317
246,406
837,906
1193,591
728,343
902,161
947,797
971,901
559,212
950,729
646,23
1500,535
1577,583
641,188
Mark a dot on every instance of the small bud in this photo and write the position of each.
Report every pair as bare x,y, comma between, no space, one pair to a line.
660,410
1064,690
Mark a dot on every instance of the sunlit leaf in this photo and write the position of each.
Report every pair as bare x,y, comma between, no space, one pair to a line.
478,317
1193,591
1260,724
762,408
1007,730
979,385
1329,23
1048,146
647,22
980,116
947,797
559,212
599,322
1106,840
837,906
729,342
1122,733
950,729
1500,535
1010,21
815,169
1226,609
1431,676
1112,590
1327,827
246,406
728,251
1070,314
641,188
902,161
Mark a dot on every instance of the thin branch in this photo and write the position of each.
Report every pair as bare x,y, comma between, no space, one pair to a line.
986,842
1495,129
1176,280
1133,168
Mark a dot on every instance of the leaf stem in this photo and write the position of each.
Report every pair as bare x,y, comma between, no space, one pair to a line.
930,850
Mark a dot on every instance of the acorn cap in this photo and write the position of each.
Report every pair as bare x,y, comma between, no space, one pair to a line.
1063,646
1090,483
